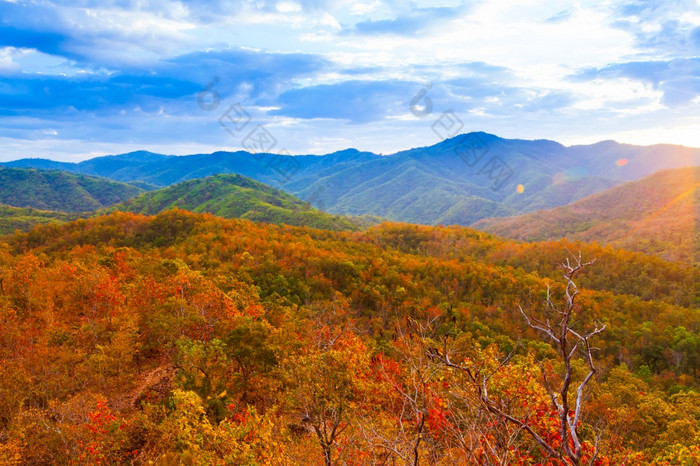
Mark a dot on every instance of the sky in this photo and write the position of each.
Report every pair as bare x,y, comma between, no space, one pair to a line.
85,78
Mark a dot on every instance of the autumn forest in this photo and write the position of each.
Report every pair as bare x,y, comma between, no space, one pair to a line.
185,338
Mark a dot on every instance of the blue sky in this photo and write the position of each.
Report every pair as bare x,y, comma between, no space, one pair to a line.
85,78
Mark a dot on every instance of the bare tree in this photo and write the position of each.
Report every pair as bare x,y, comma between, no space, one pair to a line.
557,325
568,343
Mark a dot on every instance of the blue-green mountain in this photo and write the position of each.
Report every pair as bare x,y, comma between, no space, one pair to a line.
457,181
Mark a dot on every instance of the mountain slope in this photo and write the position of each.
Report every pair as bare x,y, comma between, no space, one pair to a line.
657,215
457,181
60,191
18,218
235,196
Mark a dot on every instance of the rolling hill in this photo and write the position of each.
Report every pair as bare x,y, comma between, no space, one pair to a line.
24,219
657,215
457,181
60,191
235,196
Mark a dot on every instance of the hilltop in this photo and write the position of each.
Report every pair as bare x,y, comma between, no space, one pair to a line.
235,196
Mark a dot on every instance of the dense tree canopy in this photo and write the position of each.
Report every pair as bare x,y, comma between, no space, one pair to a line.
186,338
24,219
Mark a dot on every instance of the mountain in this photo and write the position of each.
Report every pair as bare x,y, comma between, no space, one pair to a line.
235,196
60,191
657,214
23,219
457,181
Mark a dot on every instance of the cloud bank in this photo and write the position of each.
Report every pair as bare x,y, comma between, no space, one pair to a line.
78,79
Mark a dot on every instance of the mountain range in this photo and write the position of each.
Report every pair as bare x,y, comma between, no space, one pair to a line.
457,181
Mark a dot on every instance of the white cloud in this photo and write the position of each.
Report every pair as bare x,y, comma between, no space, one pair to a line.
288,7
620,94
7,62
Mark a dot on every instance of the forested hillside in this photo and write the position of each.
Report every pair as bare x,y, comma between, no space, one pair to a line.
657,215
184,338
235,196
60,191
16,218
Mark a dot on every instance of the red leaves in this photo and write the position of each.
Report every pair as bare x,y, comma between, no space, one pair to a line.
437,417
238,413
100,418
102,437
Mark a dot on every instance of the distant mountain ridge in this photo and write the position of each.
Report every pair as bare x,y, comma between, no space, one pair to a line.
457,181
657,214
